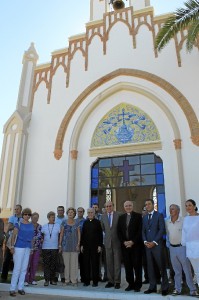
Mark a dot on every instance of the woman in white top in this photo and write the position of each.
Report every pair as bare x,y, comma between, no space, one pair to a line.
50,247
190,235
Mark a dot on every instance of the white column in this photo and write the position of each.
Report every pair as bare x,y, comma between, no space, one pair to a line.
72,179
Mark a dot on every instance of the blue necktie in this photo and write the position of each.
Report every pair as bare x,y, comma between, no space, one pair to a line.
109,219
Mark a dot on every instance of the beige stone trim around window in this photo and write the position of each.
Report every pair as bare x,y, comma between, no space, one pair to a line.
162,83
178,144
127,149
74,154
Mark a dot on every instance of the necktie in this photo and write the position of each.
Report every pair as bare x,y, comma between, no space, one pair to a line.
149,218
109,219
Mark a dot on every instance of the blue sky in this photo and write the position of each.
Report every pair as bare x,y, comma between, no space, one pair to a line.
48,24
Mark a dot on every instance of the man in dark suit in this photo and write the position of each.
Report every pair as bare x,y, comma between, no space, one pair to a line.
130,235
91,245
112,245
153,230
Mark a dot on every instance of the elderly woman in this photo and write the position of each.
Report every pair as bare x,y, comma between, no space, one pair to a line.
21,244
190,235
50,233
35,255
69,245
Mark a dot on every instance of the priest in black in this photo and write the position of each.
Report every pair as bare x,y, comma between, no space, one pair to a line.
130,235
91,245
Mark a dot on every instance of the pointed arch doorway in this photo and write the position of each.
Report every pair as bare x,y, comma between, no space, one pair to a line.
130,177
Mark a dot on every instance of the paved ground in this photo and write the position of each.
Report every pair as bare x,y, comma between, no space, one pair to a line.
81,293
60,292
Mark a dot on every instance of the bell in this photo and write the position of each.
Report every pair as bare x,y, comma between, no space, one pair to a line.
118,4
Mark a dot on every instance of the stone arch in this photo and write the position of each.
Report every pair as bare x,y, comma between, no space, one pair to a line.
162,83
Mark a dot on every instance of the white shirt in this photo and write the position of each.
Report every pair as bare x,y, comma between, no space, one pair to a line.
51,235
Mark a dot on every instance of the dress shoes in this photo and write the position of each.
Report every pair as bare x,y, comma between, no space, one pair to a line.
53,283
86,284
21,292
109,285
117,286
46,283
129,288
13,294
94,284
149,291
165,292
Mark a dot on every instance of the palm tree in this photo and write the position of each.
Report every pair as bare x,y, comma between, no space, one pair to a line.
187,17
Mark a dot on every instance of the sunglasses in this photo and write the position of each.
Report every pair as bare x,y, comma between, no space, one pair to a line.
27,215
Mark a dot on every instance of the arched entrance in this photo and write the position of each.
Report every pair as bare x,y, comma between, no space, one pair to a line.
130,177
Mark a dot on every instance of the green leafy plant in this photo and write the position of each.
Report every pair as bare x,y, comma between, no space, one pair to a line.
183,18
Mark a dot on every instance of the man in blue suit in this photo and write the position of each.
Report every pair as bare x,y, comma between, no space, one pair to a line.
153,230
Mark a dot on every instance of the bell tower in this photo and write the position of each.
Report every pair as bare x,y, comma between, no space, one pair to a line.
99,7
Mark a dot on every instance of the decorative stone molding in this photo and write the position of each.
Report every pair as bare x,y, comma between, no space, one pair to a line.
195,140
129,149
162,83
133,20
177,144
74,154
58,153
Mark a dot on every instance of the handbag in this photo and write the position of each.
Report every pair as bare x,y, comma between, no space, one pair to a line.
8,243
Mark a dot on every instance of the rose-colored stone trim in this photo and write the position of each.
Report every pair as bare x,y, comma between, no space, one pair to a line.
165,85
178,144
74,154
102,29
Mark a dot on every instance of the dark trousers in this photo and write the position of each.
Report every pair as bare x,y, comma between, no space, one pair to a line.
49,261
81,266
156,254
132,258
60,266
91,265
7,263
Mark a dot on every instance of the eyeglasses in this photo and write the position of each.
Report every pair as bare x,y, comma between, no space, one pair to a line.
27,215
109,205
80,211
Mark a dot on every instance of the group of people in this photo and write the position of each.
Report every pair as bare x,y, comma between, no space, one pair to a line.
69,242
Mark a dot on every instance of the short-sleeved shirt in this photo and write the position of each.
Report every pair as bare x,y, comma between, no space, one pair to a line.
25,235
51,236
38,237
60,220
70,237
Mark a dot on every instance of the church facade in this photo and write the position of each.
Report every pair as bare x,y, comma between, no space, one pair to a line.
109,118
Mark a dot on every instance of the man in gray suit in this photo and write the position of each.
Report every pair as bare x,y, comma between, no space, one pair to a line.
112,245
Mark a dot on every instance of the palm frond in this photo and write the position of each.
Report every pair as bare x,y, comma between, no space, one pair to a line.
192,35
180,20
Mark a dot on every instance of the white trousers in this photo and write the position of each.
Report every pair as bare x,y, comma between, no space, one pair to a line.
21,259
71,266
195,265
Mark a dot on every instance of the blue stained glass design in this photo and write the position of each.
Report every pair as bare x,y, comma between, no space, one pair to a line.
94,199
118,161
159,179
147,159
148,180
95,173
105,163
148,169
160,189
161,204
94,183
159,168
